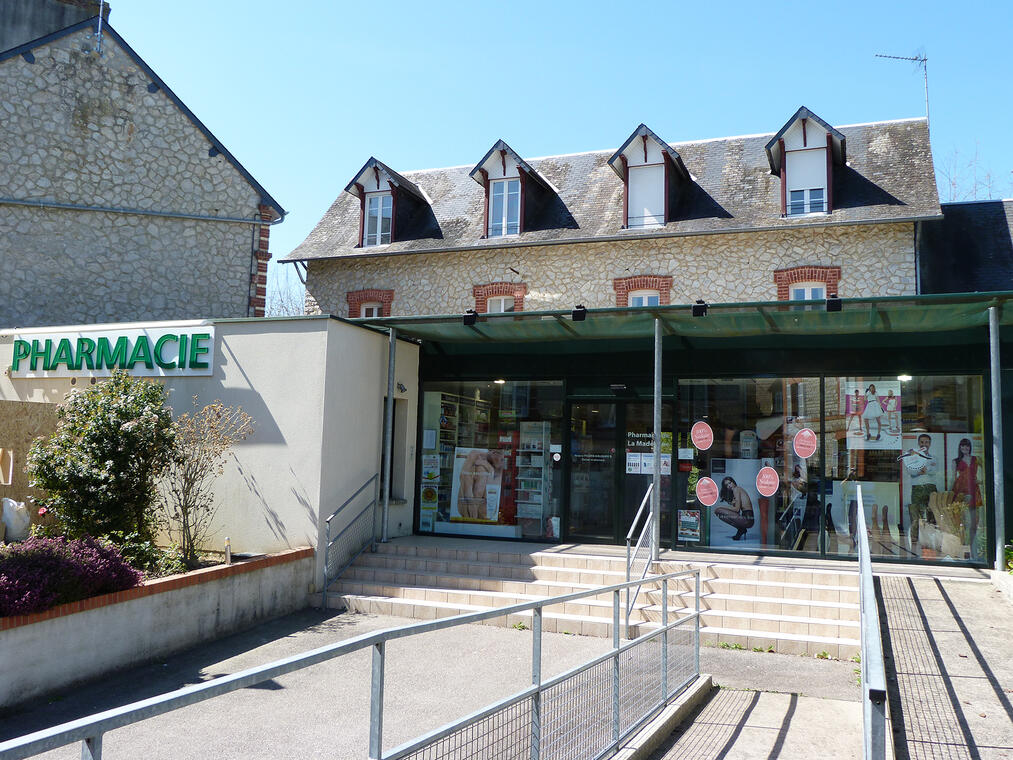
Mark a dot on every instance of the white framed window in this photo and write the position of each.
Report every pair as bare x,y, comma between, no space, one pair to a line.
379,211
504,207
646,196
371,309
499,305
809,201
645,298
807,291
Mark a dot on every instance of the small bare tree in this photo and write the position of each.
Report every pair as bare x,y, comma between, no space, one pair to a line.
203,440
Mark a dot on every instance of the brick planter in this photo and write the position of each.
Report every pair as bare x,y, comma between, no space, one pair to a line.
79,641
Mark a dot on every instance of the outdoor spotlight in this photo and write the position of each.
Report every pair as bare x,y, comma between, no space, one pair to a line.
833,302
579,313
401,387
470,318
700,308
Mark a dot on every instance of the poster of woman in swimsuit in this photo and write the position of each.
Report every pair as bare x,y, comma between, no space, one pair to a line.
475,490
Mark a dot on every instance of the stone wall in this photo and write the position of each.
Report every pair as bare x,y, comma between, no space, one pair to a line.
82,129
875,260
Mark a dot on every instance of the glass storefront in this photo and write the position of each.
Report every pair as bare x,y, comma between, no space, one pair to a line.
491,459
775,465
756,465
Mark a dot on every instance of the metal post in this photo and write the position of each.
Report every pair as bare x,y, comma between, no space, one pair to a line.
696,631
656,494
376,703
664,640
615,669
628,588
388,433
998,464
536,680
327,550
91,748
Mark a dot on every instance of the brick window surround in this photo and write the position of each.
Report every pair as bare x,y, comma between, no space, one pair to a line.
483,293
626,285
785,278
356,298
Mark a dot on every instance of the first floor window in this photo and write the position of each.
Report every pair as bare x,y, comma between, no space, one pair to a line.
379,210
505,207
806,201
500,304
372,309
807,291
645,298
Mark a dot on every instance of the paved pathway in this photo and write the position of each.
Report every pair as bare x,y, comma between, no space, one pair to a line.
323,711
949,656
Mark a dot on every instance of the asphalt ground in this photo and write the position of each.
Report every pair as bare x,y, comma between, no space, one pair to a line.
323,711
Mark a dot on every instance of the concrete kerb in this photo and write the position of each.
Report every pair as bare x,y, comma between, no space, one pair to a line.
650,737
1003,581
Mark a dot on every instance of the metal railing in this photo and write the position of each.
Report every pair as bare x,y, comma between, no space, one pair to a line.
637,553
352,540
873,670
582,714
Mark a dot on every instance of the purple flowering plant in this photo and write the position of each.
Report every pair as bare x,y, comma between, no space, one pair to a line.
41,572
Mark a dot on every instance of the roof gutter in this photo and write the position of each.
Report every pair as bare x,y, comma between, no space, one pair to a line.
140,212
611,238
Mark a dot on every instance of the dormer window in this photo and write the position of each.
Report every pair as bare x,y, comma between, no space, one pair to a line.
505,208
517,197
379,218
803,154
653,178
391,208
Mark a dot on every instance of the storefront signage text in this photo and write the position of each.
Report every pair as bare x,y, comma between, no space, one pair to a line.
142,352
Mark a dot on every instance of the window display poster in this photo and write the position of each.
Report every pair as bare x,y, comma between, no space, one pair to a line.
872,410
689,524
430,467
733,523
429,438
633,459
882,516
475,488
921,469
965,472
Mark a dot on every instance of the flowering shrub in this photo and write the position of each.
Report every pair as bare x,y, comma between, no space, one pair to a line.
98,469
40,573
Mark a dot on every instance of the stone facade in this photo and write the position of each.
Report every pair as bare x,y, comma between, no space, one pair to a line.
875,260
87,130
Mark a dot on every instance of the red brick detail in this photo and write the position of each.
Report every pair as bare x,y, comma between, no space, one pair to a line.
785,278
623,286
483,293
262,253
356,298
160,586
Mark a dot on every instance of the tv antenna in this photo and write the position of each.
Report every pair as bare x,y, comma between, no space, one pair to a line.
920,60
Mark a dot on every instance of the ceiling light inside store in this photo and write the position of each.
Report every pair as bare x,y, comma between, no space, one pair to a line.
499,382
904,378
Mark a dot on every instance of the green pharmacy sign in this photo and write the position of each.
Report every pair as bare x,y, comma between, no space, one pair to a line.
145,352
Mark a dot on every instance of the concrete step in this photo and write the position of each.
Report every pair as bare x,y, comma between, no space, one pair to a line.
770,624
457,575
712,600
548,559
768,575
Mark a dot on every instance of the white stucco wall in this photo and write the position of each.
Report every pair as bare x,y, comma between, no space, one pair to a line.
314,388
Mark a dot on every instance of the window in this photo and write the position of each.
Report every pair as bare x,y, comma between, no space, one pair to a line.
645,298
806,202
646,196
505,207
500,305
379,209
372,309
808,291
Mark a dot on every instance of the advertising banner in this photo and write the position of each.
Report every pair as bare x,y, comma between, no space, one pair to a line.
872,411
477,480
733,522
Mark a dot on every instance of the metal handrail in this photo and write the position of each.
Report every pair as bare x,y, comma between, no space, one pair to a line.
645,531
90,730
873,669
329,542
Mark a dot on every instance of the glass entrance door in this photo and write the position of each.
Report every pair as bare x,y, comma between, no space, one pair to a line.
592,471
638,467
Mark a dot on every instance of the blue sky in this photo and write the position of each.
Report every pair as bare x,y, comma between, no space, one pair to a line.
304,92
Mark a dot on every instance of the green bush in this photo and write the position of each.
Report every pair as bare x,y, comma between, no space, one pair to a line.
145,555
98,469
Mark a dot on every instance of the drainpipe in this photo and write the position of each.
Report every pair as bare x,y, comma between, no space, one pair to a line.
388,434
656,491
998,463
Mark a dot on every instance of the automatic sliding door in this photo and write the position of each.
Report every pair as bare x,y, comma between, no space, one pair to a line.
592,471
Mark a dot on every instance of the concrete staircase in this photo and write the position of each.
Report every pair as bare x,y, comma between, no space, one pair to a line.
794,610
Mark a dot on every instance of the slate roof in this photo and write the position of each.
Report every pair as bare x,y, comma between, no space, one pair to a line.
216,144
969,250
889,178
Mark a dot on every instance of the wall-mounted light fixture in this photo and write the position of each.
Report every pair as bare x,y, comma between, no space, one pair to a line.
470,318
402,387
579,313
700,308
833,302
